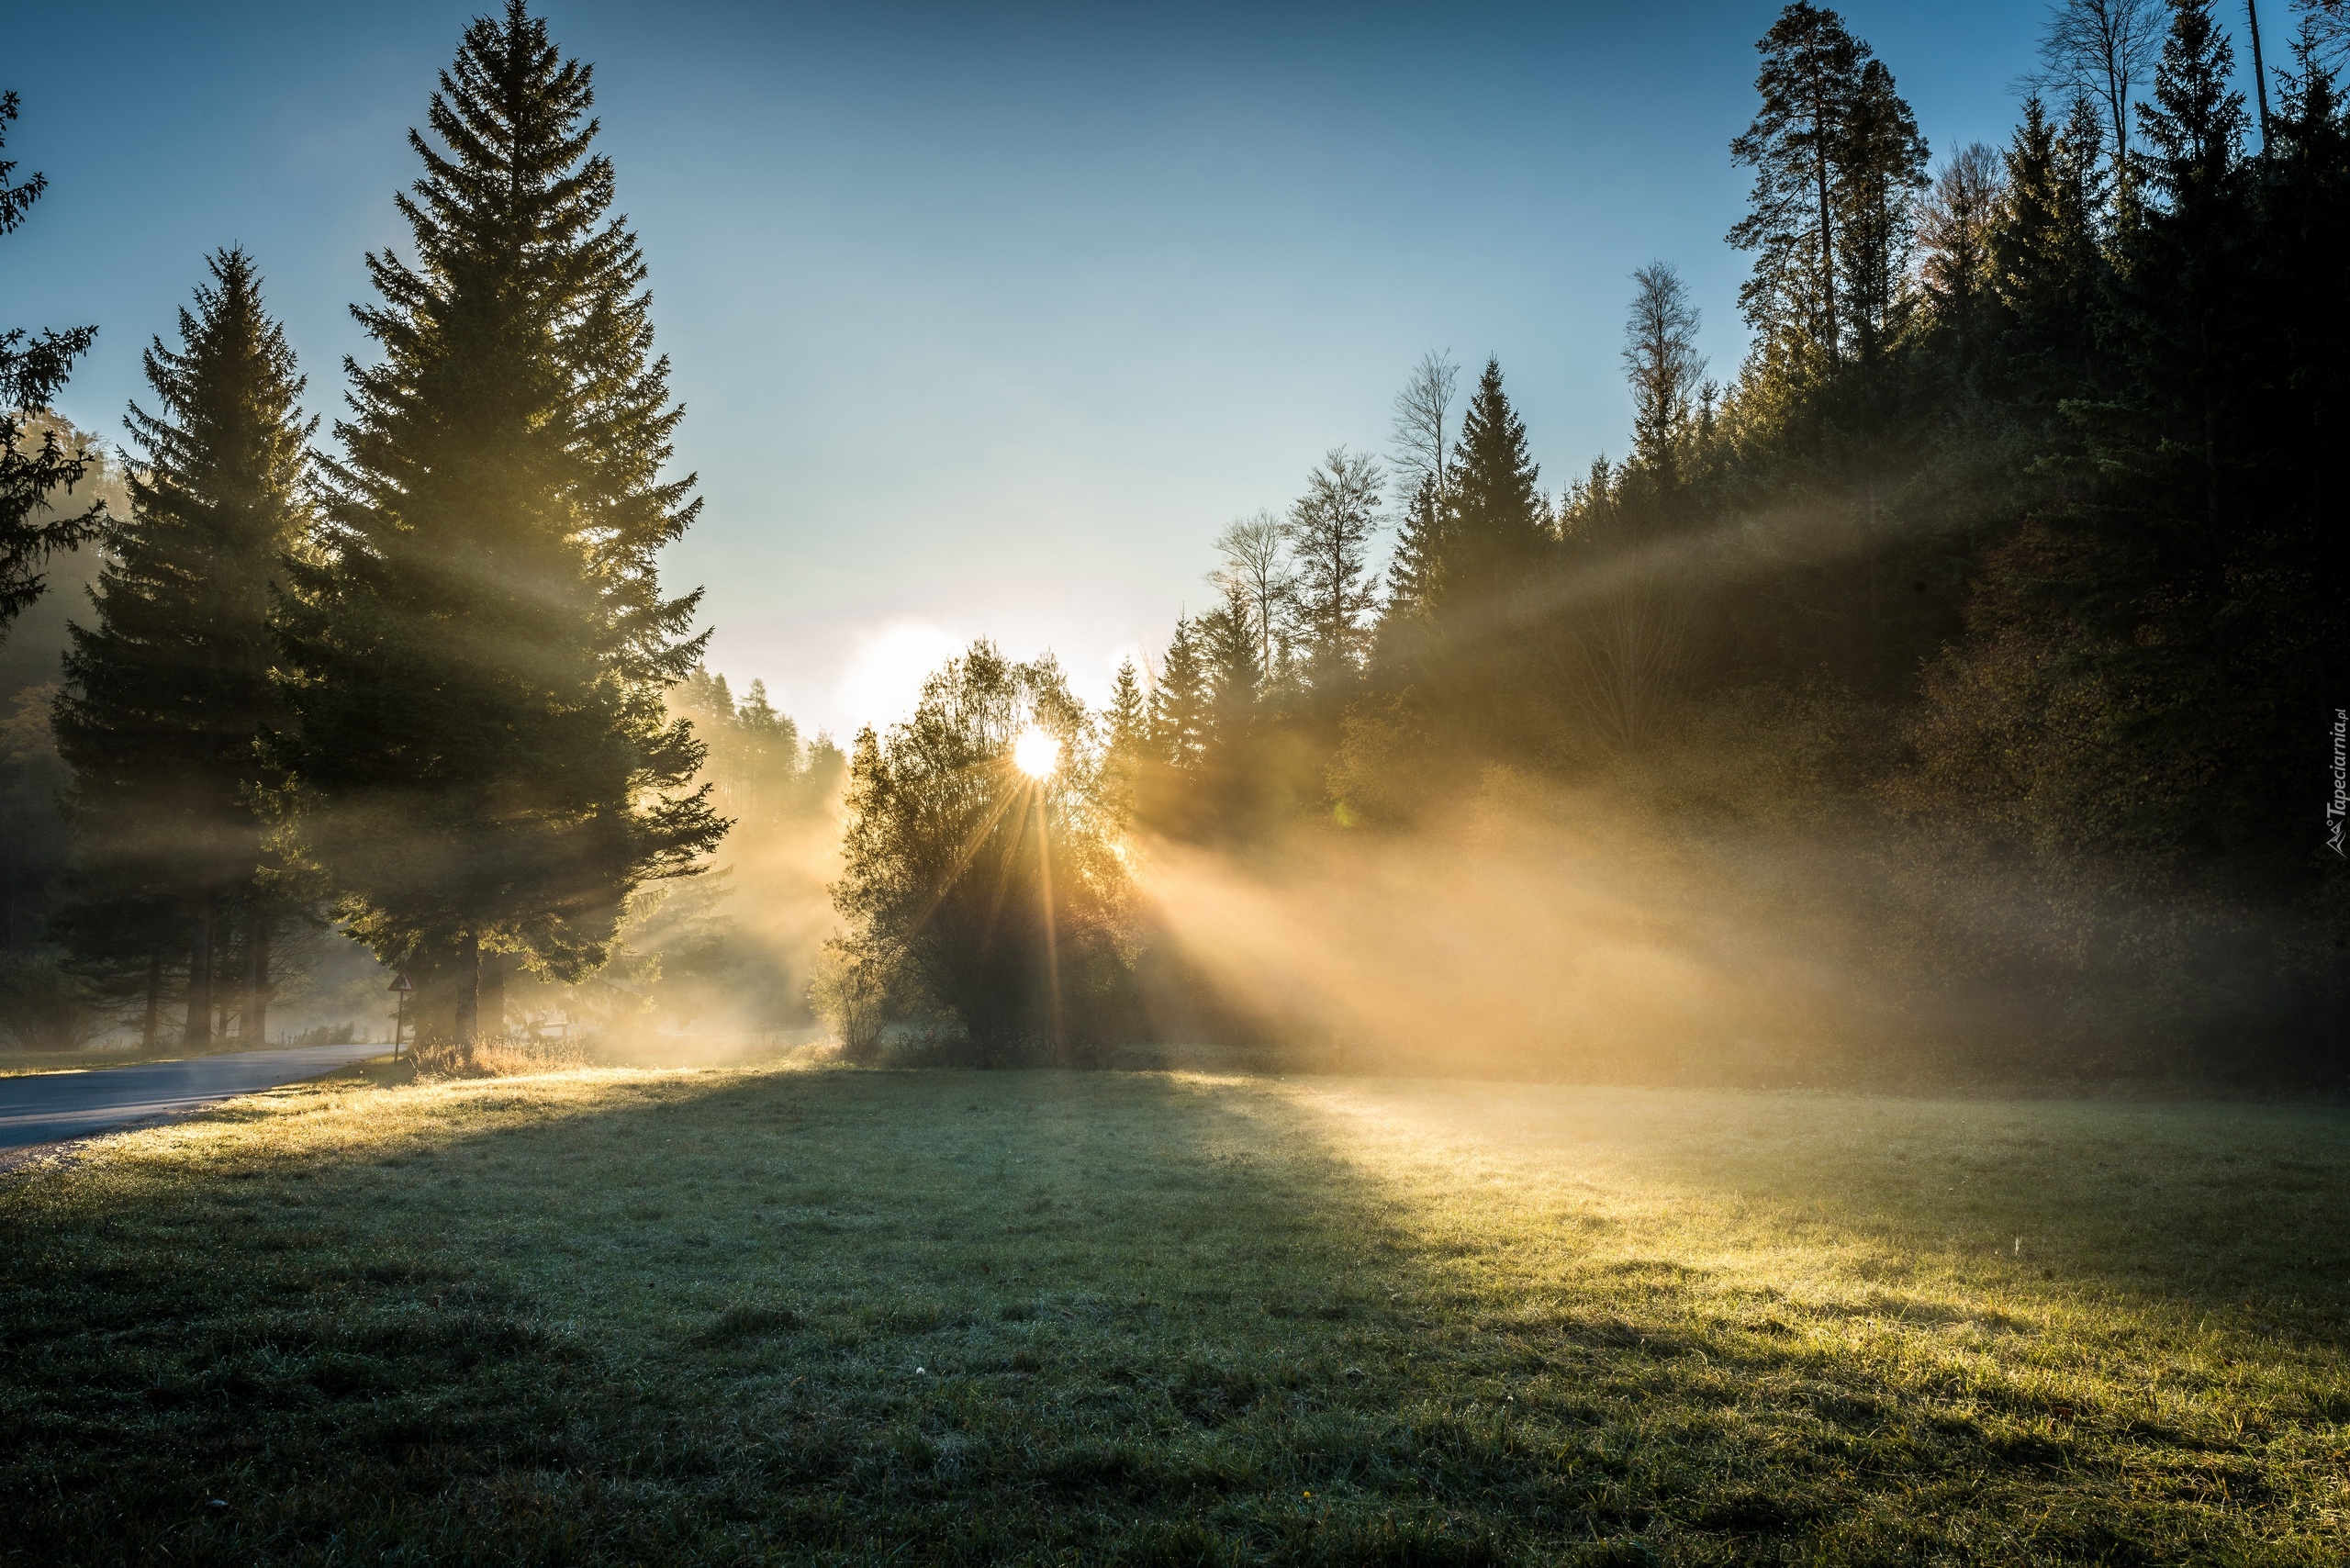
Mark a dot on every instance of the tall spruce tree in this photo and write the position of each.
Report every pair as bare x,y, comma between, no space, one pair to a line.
1413,570
2047,255
1127,756
169,694
1235,671
482,645
1496,530
1178,708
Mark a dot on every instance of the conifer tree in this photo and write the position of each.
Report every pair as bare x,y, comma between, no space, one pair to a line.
1811,66
1236,678
1413,572
1180,713
1419,447
772,760
2046,251
1496,528
482,645
170,693
33,368
1880,167
1837,161
1128,755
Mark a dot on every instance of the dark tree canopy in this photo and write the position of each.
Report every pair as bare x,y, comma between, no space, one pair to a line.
482,640
169,694
33,368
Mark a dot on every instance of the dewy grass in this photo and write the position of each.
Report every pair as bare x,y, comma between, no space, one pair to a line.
824,1316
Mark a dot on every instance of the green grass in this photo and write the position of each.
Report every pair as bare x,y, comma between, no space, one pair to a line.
22,1063
173,1050
827,1316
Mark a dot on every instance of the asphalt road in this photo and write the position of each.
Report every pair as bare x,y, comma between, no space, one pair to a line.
45,1107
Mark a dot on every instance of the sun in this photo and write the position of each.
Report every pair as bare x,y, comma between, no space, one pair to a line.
1036,753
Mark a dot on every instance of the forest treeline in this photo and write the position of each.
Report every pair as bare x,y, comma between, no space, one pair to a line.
1975,642
1990,602
420,687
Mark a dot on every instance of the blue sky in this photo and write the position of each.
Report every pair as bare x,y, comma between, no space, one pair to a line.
987,318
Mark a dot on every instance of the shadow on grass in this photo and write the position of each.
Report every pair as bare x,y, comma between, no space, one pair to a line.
988,1318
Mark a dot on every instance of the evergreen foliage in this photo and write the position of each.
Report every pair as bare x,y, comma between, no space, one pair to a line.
170,693
1811,67
1181,716
33,368
1496,527
1413,572
480,644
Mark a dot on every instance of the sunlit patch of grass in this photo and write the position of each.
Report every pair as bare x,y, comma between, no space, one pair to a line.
602,1315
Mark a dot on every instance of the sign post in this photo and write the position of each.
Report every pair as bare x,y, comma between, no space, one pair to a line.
401,988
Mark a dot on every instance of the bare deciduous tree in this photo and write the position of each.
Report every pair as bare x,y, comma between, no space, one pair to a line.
1334,590
1422,434
1256,567
2102,48
2326,26
1661,361
1628,658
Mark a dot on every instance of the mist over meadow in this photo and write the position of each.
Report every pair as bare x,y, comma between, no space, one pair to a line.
1773,998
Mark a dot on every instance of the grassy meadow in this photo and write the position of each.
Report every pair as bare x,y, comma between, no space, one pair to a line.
811,1315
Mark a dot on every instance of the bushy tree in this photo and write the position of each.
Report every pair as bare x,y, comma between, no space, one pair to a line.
994,894
480,644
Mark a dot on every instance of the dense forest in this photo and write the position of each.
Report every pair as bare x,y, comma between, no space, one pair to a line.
1947,693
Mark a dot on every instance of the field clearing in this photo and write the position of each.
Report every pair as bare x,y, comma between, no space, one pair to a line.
800,1315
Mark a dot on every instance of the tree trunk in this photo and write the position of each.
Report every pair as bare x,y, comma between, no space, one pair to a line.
150,1026
1827,231
2259,70
490,1001
199,1028
468,979
256,1025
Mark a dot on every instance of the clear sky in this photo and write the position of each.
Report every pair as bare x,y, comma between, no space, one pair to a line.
987,318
